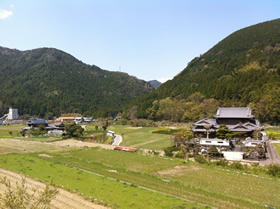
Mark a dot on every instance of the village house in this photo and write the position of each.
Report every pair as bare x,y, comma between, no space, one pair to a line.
52,129
62,119
239,121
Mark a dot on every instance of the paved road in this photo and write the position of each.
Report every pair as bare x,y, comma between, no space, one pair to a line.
271,155
117,140
274,156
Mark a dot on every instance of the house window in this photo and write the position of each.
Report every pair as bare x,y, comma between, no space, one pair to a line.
208,142
220,142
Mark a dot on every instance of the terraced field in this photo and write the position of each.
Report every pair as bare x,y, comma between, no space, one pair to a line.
136,180
142,137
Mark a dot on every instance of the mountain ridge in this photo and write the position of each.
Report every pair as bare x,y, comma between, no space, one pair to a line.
49,81
241,70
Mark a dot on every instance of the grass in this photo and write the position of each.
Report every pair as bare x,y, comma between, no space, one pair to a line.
201,183
273,133
107,191
142,137
277,148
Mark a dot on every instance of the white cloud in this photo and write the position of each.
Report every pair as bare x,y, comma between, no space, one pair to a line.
162,80
12,5
5,14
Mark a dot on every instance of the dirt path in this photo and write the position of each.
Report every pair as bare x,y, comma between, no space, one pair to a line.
76,143
28,146
63,200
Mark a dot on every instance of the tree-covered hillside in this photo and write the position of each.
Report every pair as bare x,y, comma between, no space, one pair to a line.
48,82
241,70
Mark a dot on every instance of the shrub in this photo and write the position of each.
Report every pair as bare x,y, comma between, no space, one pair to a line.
222,162
169,151
237,165
180,154
273,170
19,196
200,159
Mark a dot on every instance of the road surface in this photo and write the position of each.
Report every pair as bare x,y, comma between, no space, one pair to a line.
117,140
271,155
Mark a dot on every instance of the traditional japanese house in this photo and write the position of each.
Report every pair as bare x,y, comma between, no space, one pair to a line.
239,121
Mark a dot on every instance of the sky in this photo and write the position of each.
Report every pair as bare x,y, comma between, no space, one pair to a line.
149,39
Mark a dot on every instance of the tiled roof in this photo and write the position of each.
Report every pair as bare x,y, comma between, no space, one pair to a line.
234,112
205,121
37,122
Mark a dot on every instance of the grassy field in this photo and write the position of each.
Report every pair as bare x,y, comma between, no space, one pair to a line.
210,185
273,132
277,148
10,131
132,136
142,137
104,190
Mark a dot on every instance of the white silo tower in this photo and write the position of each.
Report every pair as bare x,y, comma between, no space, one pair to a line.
13,114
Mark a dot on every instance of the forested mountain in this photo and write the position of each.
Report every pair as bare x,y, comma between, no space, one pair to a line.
155,83
49,82
241,70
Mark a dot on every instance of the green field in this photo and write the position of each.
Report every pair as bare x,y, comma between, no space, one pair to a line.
110,192
274,132
142,137
208,185
277,148
13,129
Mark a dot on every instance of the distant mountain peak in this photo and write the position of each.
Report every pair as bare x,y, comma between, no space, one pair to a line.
155,83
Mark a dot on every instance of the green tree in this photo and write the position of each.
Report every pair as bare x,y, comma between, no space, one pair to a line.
74,130
213,151
223,132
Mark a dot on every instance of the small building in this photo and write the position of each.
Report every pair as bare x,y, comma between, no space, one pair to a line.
65,119
55,132
110,133
83,120
13,114
253,143
34,123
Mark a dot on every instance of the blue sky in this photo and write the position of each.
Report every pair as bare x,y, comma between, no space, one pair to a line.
150,39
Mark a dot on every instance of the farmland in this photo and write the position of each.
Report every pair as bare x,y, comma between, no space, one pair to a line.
277,148
142,137
208,185
137,180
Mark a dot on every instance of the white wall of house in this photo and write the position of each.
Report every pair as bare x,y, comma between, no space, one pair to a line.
216,142
235,156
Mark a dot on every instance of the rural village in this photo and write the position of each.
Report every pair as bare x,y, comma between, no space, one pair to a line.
233,134
140,104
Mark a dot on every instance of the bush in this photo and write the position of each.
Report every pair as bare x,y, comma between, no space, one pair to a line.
237,165
180,154
222,162
273,170
169,151
200,159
